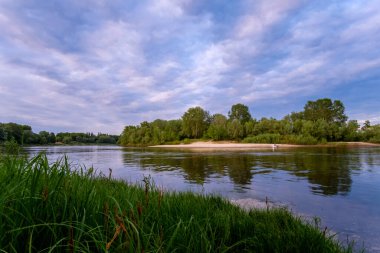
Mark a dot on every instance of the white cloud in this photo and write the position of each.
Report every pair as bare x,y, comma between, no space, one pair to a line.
261,15
167,8
123,64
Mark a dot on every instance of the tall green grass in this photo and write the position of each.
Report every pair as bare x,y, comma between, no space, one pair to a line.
57,208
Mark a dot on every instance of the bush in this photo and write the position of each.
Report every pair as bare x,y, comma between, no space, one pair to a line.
375,139
186,141
263,138
301,140
12,147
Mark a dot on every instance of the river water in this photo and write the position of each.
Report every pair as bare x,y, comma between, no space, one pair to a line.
340,185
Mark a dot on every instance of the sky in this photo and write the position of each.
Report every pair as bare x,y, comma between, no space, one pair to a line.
97,66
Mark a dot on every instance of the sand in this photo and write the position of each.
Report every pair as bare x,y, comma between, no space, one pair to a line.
226,145
234,145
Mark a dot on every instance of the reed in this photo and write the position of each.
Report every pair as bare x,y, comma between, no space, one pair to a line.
55,207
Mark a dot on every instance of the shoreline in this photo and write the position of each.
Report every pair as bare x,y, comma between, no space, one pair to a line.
234,145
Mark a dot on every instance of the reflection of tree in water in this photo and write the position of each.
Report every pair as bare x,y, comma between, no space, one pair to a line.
195,166
198,167
330,172
237,166
327,169
371,158
239,169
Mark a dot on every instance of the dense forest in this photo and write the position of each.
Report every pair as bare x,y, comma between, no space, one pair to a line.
23,135
321,121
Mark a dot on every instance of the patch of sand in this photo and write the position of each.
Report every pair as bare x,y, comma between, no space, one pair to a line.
233,145
226,145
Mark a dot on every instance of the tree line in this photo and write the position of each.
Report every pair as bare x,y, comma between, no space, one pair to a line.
320,121
23,135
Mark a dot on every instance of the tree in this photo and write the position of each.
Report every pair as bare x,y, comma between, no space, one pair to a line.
13,130
44,136
331,112
2,133
195,122
249,127
265,126
51,138
30,137
235,129
218,127
67,139
239,112
105,138
351,131
173,129
366,125
321,130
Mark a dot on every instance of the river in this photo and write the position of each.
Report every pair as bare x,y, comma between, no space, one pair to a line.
340,185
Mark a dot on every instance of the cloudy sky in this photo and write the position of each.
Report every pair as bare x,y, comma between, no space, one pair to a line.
102,64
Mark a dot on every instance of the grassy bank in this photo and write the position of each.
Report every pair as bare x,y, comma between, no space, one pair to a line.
54,208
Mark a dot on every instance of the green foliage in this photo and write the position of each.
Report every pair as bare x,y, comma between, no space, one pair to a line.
239,112
235,130
372,134
285,139
263,138
2,133
306,139
266,125
218,127
375,139
57,208
366,125
249,127
321,121
31,138
351,131
12,131
83,138
23,134
156,132
332,112
195,122
11,147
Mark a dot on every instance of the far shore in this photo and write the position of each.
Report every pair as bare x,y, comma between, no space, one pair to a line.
235,145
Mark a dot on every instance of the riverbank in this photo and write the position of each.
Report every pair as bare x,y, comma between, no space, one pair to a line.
233,145
50,206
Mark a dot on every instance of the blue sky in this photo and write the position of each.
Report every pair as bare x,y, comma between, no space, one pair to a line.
100,65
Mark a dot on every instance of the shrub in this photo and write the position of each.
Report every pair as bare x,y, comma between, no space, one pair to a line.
301,140
375,139
263,138
12,147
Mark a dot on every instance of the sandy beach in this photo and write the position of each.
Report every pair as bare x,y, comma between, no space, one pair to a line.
225,145
233,145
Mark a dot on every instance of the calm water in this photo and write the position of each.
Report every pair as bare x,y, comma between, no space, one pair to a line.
339,185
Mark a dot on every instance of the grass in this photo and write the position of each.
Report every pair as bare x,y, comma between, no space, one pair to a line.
56,208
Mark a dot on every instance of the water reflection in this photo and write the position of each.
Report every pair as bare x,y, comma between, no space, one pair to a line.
328,170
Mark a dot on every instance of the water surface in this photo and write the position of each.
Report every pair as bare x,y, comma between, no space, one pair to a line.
341,185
